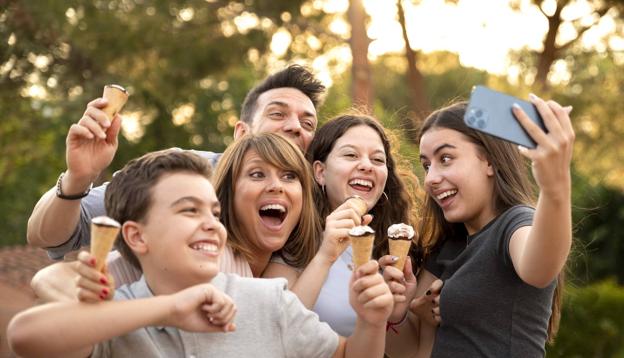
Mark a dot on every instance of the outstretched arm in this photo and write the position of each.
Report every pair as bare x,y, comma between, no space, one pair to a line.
90,147
539,252
71,328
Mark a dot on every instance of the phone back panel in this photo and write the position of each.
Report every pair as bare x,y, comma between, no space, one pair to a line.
490,112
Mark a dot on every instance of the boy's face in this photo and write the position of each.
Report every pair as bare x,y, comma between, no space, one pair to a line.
182,232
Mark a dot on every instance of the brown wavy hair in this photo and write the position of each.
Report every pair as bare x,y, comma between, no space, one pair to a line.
276,150
402,189
512,186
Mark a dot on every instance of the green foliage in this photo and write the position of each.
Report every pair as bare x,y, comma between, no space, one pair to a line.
592,323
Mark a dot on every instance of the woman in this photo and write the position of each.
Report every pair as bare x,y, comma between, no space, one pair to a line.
264,185
500,259
351,155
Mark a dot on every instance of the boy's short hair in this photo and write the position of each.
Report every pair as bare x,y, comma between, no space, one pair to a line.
293,76
129,193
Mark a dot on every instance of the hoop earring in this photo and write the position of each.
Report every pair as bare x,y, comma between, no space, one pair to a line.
385,195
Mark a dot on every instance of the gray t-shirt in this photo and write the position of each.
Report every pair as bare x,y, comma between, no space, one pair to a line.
270,322
92,206
486,309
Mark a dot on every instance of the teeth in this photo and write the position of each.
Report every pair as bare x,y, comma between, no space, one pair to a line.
205,246
446,194
274,207
361,182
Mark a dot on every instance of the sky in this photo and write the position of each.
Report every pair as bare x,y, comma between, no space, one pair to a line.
481,32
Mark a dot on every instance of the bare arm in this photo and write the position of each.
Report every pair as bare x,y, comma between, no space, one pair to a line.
63,329
90,147
539,252
372,301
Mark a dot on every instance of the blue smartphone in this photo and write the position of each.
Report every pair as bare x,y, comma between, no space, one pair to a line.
490,112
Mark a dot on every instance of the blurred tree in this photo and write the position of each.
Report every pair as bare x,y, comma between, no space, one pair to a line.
553,47
361,78
186,63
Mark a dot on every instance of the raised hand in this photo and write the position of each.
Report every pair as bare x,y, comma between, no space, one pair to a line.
337,226
369,295
92,285
91,144
427,307
402,285
202,308
553,154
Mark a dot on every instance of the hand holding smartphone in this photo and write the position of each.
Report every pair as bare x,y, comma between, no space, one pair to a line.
490,112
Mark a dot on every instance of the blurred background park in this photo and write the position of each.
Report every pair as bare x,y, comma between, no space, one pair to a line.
188,64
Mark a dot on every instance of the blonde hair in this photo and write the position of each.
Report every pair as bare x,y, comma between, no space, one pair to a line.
301,245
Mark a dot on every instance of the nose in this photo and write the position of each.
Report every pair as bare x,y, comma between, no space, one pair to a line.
292,125
365,164
432,177
210,222
275,185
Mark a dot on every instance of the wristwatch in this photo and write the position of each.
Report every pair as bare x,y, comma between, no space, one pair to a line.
61,195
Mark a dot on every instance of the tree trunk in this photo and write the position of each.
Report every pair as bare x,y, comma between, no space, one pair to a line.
550,52
361,82
419,104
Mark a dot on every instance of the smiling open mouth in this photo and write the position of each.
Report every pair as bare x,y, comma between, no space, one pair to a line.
273,214
361,185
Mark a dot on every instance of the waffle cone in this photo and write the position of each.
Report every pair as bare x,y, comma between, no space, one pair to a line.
359,204
116,97
102,239
399,248
362,249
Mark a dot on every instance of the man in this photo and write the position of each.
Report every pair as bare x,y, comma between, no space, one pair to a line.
170,223
284,103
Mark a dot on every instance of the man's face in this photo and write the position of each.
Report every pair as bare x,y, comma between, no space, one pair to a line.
286,111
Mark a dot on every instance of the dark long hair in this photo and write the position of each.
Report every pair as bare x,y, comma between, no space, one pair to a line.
512,186
398,205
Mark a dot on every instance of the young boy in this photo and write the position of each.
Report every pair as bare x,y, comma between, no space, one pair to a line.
169,214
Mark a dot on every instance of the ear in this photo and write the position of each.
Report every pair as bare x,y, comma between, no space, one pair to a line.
240,129
133,236
490,169
319,172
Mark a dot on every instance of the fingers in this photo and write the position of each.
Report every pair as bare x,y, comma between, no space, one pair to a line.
92,285
221,311
532,129
366,219
435,288
387,260
368,268
408,274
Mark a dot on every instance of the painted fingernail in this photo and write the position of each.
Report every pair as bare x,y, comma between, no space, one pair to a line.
568,109
104,292
103,281
102,296
428,293
92,261
532,96
395,258
516,106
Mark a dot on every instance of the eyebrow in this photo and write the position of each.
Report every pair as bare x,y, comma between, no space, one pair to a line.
443,146
382,151
194,200
284,104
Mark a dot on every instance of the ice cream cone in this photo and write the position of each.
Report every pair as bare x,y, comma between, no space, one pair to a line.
103,234
399,242
359,204
362,238
117,97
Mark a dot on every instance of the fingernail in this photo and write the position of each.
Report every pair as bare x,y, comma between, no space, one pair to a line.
102,296
104,292
568,109
103,281
428,293
516,106
92,261
532,96
106,124
395,258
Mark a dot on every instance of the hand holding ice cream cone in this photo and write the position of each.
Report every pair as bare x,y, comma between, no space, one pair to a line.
359,204
399,242
117,97
104,231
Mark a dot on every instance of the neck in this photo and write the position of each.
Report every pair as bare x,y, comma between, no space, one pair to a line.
166,283
259,263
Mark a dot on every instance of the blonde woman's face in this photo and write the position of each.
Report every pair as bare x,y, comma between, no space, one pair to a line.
267,203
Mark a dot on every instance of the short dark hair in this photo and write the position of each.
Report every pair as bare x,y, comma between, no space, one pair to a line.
293,76
129,193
